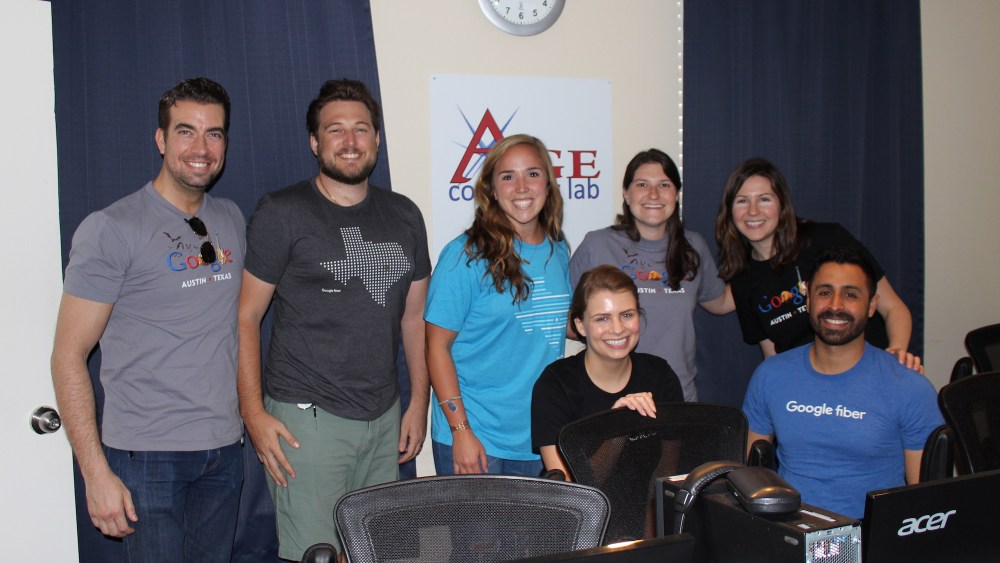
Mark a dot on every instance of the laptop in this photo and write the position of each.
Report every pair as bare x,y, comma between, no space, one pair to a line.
948,520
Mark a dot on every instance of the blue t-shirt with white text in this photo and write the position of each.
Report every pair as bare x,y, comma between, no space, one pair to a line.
840,436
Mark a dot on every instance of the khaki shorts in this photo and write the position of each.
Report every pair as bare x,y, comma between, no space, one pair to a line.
336,456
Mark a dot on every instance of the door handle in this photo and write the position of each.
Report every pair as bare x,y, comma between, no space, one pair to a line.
45,420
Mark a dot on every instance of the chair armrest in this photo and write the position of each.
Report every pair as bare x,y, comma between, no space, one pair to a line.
320,553
938,459
761,454
554,474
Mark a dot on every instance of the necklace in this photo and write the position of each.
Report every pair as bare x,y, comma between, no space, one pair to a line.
322,188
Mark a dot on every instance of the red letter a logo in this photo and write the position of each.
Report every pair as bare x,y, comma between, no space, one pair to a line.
487,124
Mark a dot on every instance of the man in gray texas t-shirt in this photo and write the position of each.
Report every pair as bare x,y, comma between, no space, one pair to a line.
346,266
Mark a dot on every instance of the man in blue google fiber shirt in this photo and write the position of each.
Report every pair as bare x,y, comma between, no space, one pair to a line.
848,417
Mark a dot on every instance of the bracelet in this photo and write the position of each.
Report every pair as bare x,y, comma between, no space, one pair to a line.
464,425
451,403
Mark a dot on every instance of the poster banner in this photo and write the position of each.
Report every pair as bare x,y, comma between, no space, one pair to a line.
572,116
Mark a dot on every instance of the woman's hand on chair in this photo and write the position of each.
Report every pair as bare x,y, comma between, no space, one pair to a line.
641,403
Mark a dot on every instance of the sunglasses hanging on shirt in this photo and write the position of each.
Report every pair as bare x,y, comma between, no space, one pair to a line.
208,255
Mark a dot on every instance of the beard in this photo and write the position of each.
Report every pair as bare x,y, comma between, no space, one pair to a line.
344,177
192,182
838,337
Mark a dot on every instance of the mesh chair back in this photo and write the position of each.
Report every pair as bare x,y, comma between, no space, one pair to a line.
962,368
971,406
469,518
983,345
622,453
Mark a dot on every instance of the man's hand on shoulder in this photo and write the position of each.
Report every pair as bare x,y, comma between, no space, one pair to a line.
264,431
109,503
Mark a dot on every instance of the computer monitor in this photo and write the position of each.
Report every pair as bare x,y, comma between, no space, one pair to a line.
677,548
946,520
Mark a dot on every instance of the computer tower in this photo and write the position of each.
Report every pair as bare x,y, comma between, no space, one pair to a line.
724,532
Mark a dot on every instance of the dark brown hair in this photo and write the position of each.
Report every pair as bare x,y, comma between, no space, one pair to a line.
343,90
201,90
734,248
847,255
681,260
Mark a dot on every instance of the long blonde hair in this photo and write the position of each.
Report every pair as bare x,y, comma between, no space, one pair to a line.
491,236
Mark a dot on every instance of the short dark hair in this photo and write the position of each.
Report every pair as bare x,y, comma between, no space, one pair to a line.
343,90
601,278
848,255
201,90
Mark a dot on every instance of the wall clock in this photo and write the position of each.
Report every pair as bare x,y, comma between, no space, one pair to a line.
522,17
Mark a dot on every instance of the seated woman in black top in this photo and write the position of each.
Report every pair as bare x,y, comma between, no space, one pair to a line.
608,374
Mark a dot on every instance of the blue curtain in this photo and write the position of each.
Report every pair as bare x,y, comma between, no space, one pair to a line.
831,93
114,59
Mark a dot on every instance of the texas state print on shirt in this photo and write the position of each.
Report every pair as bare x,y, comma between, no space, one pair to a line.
546,314
377,264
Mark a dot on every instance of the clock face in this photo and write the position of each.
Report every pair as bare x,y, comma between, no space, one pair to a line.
522,17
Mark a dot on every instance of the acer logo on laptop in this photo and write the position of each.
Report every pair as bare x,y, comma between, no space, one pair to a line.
925,523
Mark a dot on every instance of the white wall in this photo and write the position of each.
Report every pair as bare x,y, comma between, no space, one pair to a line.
961,58
40,515
592,39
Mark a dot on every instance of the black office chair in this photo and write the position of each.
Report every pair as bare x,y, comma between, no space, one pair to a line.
938,459
971,406
962,368
469,518
983,345
622,453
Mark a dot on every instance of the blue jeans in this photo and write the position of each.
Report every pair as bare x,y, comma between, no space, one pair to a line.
187,503
444,463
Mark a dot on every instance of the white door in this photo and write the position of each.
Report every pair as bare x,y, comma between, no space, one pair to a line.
38,517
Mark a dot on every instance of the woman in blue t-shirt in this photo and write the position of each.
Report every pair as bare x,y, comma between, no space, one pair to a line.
496,314
768,255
